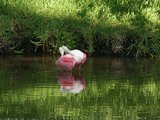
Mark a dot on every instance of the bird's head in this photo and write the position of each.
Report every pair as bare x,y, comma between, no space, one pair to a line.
61,51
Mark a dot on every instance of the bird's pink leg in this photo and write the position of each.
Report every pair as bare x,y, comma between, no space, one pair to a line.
79,66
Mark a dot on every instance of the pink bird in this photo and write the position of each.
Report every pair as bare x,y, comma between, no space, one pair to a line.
79,56
65,62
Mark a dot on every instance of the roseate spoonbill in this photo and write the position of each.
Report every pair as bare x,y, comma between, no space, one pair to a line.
78,55
65,62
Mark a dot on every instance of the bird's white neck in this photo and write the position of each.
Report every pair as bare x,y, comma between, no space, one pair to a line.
66,50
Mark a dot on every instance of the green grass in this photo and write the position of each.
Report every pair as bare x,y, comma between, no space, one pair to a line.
108,27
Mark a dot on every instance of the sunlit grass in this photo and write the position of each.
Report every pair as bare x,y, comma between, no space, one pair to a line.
96,23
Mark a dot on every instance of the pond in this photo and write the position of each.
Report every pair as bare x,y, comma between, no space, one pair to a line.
104,89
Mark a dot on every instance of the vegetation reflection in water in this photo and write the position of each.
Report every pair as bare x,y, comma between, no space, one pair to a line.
108,89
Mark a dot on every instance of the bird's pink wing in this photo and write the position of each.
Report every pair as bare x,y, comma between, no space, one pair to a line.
65,62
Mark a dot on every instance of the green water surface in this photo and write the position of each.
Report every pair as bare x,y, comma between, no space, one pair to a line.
104,89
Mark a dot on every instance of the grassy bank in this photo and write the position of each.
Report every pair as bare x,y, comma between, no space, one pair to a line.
117,27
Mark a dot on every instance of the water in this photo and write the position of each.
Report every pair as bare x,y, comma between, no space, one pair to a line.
105,89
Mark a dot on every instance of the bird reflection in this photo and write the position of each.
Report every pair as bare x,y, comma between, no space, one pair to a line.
71,83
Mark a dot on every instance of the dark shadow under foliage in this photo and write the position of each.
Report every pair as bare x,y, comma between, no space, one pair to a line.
32,33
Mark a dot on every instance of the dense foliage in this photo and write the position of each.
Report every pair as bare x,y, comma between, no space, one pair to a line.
119,27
